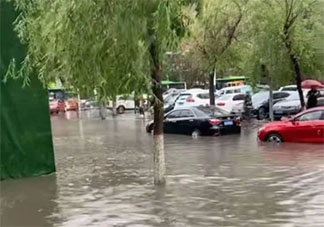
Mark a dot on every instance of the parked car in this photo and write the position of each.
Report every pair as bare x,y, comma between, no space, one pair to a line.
123,103
288,88
56,105
260,102
71,104
199,121
286,108
305,127
227,102
192,97
172,91
88,104
169,101
235,90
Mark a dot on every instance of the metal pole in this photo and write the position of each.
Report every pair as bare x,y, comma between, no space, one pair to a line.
270,86
271,100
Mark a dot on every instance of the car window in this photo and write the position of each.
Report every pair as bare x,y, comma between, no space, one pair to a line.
186,113
214,111
293,96
174,114
239,97
229,92
203,96
312,116
171,98
183,97
237,90
280,95
289,89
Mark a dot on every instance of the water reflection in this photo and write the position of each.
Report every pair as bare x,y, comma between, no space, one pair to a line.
104,178
28,202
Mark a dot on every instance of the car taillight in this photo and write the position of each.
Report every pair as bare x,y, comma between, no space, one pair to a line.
220,104
215,122
190,100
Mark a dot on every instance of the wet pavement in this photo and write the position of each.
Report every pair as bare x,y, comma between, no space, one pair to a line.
104,178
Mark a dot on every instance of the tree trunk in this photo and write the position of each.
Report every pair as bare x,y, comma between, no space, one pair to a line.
211,89
298,79
158,152
295,64
114,108
102,111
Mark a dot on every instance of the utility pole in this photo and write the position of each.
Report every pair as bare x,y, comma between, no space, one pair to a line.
270,87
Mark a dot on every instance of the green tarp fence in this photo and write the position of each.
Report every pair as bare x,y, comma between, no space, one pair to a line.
25,136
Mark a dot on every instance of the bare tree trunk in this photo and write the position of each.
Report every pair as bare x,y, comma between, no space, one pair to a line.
102,111
298,79
211,89
294,61
158,152
114,108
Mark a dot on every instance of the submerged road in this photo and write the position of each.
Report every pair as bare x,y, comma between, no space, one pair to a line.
104,178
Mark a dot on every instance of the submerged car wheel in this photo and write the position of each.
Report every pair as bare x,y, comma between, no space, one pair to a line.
262,113
274,138
196,133
121,110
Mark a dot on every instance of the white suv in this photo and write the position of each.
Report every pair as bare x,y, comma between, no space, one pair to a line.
192,97
123,102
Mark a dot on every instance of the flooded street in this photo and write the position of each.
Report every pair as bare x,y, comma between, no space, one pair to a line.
104,178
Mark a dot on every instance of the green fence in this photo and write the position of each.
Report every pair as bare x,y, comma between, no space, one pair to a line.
25,136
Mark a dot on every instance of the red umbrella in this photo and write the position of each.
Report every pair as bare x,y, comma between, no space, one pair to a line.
311,83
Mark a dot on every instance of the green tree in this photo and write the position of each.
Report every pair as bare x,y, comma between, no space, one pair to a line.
213,29
282,41
112,47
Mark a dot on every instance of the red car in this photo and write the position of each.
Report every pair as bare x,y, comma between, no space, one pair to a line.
71,104
56,106
305,127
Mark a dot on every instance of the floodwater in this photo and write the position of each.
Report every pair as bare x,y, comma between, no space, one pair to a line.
104,178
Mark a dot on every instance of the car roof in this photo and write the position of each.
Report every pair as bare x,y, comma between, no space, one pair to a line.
194,91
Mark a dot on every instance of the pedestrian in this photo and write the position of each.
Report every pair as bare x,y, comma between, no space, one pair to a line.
312,96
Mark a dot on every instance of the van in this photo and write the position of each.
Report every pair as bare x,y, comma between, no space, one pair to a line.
235,90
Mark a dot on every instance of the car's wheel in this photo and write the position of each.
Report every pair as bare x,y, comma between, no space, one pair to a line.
262,113
274,138
196,133
121,110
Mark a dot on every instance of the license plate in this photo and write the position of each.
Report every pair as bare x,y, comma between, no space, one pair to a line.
228,123
278,112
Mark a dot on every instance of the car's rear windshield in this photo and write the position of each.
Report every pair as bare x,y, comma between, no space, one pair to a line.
184,96
289,89
210,111
203,96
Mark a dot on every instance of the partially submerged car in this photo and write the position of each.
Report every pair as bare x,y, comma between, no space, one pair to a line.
305,127
198,121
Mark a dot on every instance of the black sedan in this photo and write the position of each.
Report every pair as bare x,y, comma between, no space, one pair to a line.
198,121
